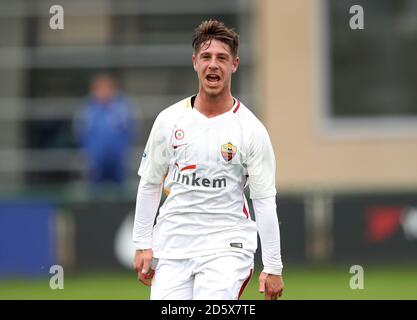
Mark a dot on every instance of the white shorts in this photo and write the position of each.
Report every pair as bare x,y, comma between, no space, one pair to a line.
221,276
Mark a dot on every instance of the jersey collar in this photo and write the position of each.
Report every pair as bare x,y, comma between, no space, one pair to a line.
190,104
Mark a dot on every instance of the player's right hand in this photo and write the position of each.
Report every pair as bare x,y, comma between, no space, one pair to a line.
142,265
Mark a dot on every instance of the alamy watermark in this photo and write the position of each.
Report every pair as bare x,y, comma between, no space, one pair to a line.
56,22
357,280
57,280
357,21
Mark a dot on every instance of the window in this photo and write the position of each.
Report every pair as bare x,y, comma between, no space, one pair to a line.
373,72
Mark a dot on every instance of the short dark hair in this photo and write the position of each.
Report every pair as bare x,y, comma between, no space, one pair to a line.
213,29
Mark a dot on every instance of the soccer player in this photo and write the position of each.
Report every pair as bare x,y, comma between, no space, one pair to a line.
203,151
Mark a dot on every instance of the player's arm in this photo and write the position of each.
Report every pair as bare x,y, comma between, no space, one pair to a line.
153,168
147,203
261,171
270,280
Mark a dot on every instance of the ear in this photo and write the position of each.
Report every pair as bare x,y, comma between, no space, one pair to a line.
235,64
193,58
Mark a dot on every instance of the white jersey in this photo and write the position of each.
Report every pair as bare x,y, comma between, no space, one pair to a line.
204,165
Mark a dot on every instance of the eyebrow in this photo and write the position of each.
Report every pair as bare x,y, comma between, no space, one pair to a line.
223,55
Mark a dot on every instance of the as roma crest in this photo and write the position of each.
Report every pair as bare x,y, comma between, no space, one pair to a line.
228,151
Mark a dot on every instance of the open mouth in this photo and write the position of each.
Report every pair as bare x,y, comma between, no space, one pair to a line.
213,78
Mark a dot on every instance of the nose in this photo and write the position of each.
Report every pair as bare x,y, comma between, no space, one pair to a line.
213,64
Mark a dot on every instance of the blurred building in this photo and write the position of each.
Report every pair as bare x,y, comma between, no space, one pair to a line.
340,106
44,73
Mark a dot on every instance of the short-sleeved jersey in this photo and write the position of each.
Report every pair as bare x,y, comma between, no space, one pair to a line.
204,165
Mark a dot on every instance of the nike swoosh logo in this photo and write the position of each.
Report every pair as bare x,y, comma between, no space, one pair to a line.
175,146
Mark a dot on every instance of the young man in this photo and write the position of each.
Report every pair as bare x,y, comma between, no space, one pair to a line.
203,151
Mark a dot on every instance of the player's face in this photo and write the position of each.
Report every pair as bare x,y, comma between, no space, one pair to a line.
215,64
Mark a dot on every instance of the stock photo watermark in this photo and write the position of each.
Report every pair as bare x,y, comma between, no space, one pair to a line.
56,22
56,282
357,281
357,21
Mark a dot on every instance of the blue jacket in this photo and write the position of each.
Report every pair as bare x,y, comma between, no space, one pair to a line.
106,130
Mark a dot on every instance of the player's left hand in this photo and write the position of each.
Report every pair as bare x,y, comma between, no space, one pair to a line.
272,285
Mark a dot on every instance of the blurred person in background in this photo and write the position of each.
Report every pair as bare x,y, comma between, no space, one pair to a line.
105,131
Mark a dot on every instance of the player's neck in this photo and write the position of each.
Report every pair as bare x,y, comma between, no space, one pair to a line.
212,106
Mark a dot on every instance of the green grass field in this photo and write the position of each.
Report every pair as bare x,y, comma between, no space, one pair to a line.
398,282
